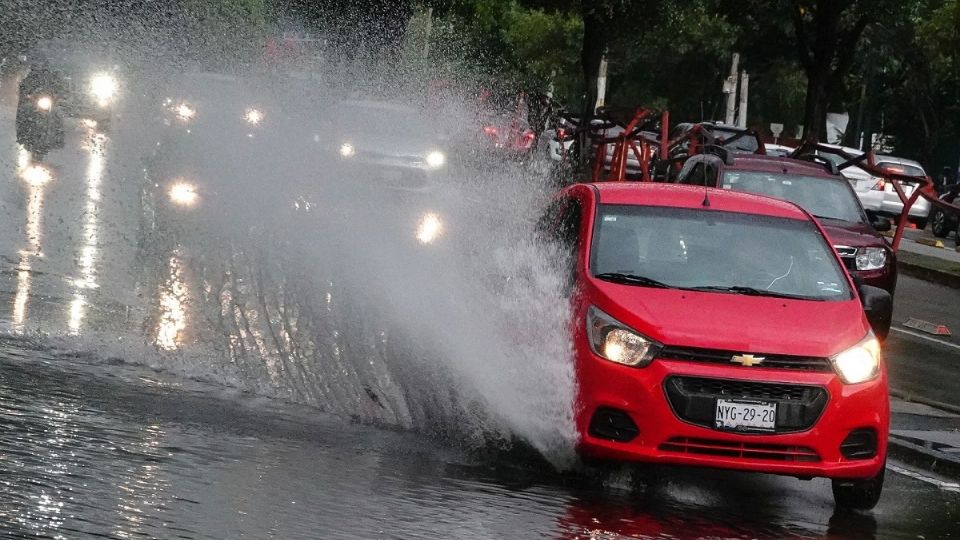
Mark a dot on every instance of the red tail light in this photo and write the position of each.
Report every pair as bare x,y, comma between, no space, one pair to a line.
490,130
880,185
561,133
530,135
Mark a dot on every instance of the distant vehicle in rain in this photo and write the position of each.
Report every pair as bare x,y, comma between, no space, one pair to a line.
85,79
385,145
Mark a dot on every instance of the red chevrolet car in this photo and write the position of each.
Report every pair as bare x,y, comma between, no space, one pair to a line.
715,328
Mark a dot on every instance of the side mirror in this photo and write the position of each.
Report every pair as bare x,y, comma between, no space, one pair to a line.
880,224
878,305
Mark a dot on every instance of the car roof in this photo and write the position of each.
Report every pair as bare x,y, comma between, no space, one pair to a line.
898,161
779,164
683,196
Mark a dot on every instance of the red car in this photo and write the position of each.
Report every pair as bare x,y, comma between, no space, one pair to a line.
826,195
719,329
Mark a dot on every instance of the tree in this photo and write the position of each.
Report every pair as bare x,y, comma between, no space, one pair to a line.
827,33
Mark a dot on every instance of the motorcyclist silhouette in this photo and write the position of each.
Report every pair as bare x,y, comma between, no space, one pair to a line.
39,124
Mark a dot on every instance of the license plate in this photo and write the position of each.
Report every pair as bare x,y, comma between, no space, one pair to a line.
746,415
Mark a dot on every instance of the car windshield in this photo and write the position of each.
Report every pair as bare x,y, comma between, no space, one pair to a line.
822,197
386,120
724,251
901,168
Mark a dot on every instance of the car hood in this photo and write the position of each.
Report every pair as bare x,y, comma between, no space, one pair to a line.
388,144
842,233
750,324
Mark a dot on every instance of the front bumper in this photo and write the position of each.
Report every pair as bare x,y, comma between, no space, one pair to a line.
663,437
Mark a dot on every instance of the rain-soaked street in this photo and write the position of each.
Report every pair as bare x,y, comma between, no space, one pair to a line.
268,304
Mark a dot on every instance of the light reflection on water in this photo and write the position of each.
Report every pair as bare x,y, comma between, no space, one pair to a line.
96,150
36,177
173,313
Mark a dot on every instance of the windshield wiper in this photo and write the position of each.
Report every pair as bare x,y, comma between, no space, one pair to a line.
632,279
750,291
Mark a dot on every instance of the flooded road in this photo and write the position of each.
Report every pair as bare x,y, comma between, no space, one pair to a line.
221,390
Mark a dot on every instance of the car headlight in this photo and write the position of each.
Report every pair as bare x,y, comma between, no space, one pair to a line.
616,342
44,103
185,112
103,87
429,228
347,150
253,116
859,363
871,258
436,159
183,194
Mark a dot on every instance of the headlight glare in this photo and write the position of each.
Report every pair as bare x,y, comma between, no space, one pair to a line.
184,194
436,159
859,363
614,341
347,150
44,103
871,258
103,87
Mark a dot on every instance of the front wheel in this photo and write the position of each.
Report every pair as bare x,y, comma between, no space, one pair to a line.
938,224
859,494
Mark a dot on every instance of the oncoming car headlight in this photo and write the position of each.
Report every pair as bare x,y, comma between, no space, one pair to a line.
436,159
429,228
614,341
183,194
103,87
44,103
871,258
859,363
347,150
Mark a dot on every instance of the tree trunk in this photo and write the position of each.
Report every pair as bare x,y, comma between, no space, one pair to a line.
594,42
815,109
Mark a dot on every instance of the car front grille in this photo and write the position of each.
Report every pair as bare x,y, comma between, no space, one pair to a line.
777,361
694,400
741,450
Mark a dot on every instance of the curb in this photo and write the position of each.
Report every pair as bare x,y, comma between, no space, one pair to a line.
929,274
909,451
906,396
921,453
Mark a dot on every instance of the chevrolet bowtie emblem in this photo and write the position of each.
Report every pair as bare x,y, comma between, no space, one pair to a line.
747,360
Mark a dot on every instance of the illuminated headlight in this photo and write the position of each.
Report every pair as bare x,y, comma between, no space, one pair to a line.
871,258
44,103
184,194
429,228
253,116
859,363
185,112
436,159
103,87
616,342
347,150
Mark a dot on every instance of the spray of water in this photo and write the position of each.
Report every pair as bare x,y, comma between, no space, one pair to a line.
278,271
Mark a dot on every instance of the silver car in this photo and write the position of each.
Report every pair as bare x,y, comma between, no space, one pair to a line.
869,188
892,205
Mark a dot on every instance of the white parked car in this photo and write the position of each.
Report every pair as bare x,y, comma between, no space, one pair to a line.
869,188
892,205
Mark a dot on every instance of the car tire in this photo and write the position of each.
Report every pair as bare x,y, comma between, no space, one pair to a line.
939,224
858,494
921,223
